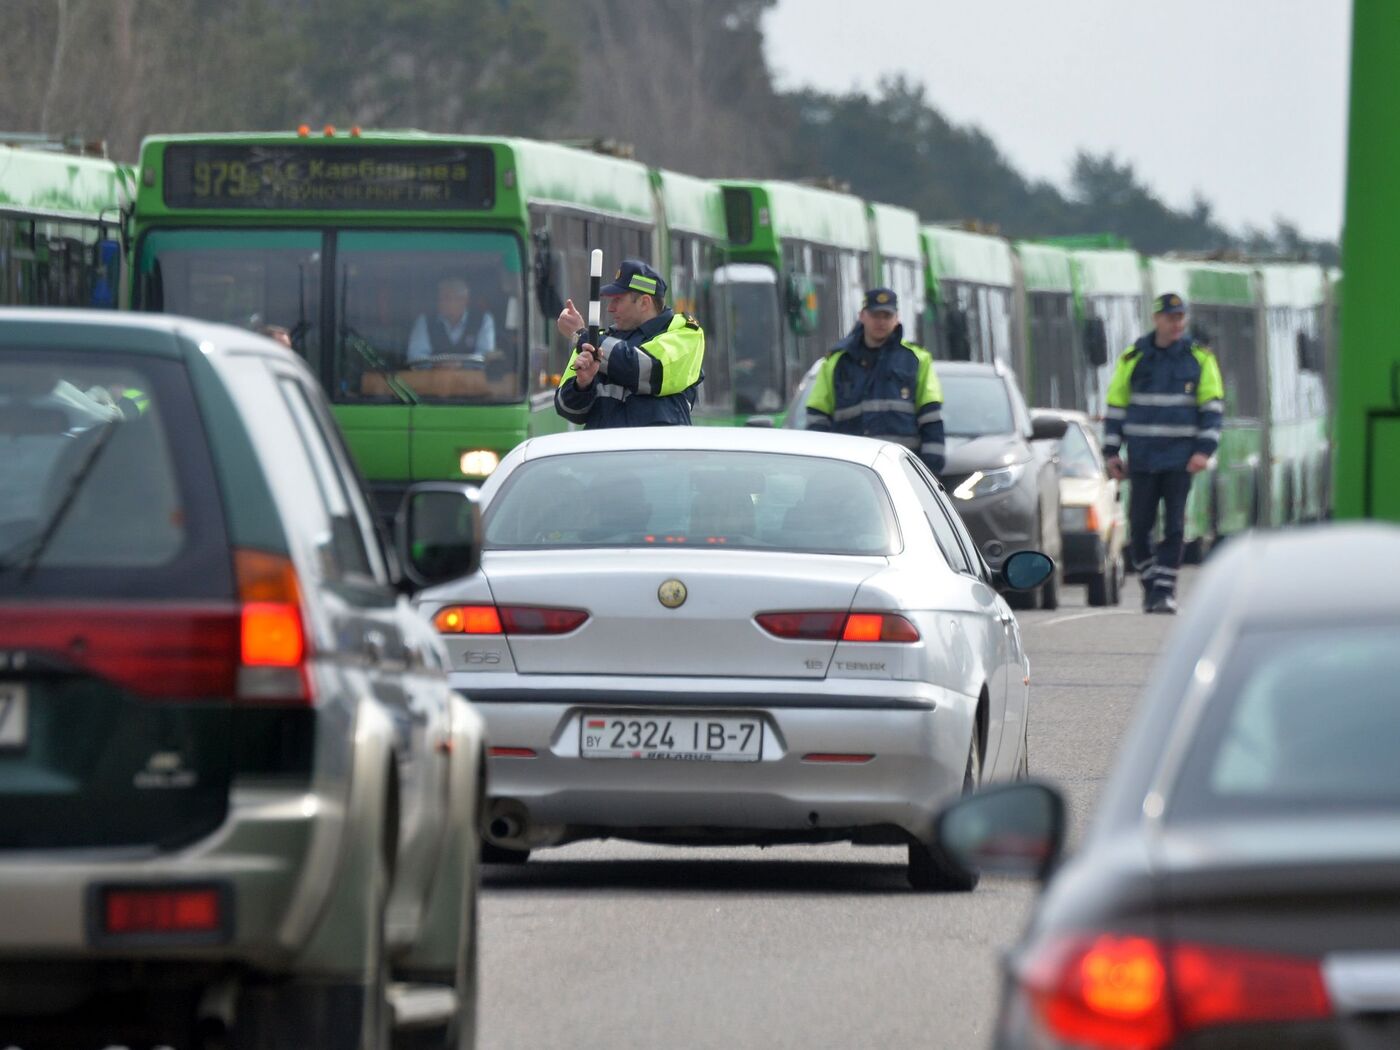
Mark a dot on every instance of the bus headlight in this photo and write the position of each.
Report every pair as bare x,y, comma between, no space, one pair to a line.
479,462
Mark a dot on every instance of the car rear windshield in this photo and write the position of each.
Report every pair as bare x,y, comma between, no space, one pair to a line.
693,499
1303,719
975,405
106,488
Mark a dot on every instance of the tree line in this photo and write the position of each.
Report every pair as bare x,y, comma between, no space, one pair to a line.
684,83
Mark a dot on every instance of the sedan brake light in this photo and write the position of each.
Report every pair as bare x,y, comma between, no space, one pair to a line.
508,619
1116,992
817,625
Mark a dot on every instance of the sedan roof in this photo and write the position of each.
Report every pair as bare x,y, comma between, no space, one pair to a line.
710,439
1317,573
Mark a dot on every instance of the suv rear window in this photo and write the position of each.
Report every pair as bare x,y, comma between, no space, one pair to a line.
106,485
702,500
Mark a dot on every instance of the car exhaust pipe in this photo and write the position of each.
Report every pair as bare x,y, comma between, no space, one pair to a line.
215,1015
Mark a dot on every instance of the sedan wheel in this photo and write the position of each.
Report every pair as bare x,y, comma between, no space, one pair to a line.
493,854
929,868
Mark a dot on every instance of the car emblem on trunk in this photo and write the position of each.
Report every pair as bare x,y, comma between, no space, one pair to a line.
672,594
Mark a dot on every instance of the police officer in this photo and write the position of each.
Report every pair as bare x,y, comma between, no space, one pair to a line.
1166,400
877,384
646,372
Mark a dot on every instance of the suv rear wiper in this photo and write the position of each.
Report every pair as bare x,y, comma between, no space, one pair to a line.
46,534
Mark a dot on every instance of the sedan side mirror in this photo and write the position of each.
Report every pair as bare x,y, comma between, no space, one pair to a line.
1048,428
1026,570
438,533
1011,829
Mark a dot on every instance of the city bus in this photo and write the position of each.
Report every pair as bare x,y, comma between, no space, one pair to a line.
1294,300
60,224
799,260
351,241
899,263
1057,371
693,236
1109,286
973,310
1364,481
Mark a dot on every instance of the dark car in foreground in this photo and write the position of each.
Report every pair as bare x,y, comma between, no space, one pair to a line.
1004,488
238,798
1240,885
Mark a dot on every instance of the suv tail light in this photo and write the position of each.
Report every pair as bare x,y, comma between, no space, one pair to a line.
839,626
272,636
507,619
254,650
1117,992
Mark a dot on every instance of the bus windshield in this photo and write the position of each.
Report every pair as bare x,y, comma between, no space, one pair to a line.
749,324
406,316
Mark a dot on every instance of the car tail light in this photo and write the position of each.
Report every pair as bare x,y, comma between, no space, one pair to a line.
1115,992
839,626
162,911
272,635
507,619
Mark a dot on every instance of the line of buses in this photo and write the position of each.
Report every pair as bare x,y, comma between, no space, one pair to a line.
342,238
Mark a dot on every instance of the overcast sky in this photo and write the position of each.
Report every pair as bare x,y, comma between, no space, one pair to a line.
1244,100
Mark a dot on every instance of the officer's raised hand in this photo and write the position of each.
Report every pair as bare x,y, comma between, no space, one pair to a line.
585,366
570,320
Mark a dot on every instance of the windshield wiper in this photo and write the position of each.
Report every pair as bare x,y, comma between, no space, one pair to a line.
45,536
358,343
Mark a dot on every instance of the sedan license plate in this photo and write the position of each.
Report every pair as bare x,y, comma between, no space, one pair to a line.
683,738
14,716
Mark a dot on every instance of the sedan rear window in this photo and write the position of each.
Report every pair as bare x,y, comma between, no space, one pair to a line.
1305,719
98,496
693,499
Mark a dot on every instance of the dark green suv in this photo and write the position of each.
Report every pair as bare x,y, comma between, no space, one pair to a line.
239,802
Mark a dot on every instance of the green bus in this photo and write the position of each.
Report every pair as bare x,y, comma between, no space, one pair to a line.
1297,445
1109,287
693,242
60,222
349,240
1057,371
799,259
1364,481
974,308
899,262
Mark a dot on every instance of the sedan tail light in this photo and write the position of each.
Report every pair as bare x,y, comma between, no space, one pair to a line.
508,619
830,626
1115,992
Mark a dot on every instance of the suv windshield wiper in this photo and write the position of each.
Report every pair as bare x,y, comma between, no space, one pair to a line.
41,541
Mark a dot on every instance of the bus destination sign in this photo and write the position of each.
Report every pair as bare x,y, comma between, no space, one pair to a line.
357,177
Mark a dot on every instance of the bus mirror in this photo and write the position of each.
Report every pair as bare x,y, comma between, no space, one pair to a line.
803,306
1096,341
546,267
1309,353
956,332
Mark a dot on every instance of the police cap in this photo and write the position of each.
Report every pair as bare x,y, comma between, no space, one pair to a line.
635,276
877,299
1168,303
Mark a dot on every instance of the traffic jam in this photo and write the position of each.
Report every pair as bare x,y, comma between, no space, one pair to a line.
462,591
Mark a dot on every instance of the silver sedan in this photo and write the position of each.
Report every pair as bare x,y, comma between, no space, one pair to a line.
728,636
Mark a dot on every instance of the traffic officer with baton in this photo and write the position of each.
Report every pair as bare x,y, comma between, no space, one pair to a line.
1166,401
646,369
878,384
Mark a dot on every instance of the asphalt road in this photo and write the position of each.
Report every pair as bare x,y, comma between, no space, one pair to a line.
617,945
